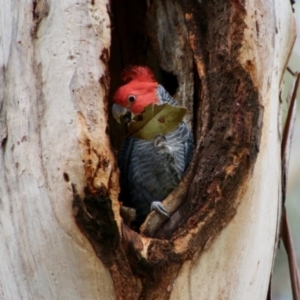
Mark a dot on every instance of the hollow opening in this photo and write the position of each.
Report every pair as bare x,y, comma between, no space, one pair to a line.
224,96
212,95
130,45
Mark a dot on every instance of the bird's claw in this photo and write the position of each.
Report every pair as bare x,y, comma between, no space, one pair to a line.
159,207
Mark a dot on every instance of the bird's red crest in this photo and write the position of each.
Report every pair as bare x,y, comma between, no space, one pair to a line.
138,73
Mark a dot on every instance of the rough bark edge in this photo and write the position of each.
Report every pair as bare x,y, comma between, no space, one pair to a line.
243,121
95,218
199,220
156,262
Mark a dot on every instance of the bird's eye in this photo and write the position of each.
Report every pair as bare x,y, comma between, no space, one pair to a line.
131,98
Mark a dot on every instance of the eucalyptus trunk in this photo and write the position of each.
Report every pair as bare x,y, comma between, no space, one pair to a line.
62,233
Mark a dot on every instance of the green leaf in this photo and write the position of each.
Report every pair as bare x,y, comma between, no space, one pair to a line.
155,120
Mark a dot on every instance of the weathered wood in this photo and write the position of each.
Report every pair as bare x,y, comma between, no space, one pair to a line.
234,45
57,164
239,262
53,54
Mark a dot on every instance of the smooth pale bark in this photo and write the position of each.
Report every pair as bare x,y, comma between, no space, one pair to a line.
51,103
47,77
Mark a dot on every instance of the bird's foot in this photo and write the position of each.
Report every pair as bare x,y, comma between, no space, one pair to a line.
159,207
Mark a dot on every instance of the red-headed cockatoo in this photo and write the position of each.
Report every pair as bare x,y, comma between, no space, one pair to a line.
150,170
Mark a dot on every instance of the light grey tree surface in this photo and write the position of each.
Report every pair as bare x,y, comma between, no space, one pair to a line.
53,139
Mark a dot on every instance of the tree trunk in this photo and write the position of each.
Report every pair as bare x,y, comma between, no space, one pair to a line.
63,237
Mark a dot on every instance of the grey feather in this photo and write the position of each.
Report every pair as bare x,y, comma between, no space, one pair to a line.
150,170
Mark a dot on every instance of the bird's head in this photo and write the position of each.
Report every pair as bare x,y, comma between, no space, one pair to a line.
139,90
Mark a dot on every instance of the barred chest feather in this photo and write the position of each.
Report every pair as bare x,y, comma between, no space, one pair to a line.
150,170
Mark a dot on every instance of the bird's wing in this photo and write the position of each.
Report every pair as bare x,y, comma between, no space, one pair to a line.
182,137
164,96
181,141
188,148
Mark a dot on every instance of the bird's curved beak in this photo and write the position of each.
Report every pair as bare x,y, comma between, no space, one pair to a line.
118,111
